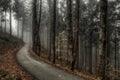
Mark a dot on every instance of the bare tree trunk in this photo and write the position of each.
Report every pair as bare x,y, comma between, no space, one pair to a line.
36,27
34,22
10,21
81,53
38,44
22,28
116,52
90,52
60,49
5,20
18,28
76,39
1,20
54,32
102,38
69,30
50,28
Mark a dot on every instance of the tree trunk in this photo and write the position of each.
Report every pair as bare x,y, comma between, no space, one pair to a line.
10,20
76,39
18,28
54,32
81,52
1,20
116,45
102,39
70,30
90,52
34,22
5,20
36,27
37,30
23,29
50,28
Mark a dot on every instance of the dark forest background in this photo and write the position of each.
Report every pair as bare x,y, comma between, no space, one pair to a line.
81,35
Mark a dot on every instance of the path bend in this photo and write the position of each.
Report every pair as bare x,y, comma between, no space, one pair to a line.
41,70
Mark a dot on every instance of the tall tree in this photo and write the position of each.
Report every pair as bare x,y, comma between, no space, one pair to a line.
76,36
10,8
54,32
4,6
102,38
18,9
50,26
34,22
69,29
37,36
36,26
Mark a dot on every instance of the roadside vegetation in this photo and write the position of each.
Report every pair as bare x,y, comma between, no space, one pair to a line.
9,67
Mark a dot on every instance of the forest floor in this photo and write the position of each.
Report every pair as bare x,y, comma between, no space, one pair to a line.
9,67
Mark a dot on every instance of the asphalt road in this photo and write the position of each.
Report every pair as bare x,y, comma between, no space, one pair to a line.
41,70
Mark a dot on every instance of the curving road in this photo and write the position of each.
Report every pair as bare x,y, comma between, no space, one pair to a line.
41,70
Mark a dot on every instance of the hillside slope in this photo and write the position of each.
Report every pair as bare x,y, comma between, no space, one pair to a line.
9,68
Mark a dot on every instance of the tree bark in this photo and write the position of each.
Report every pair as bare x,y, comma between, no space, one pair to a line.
90,52
36,27
50,28
18,28
69,30
54,32
10,20
76,34
5,20
22,28
34,22
102,38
